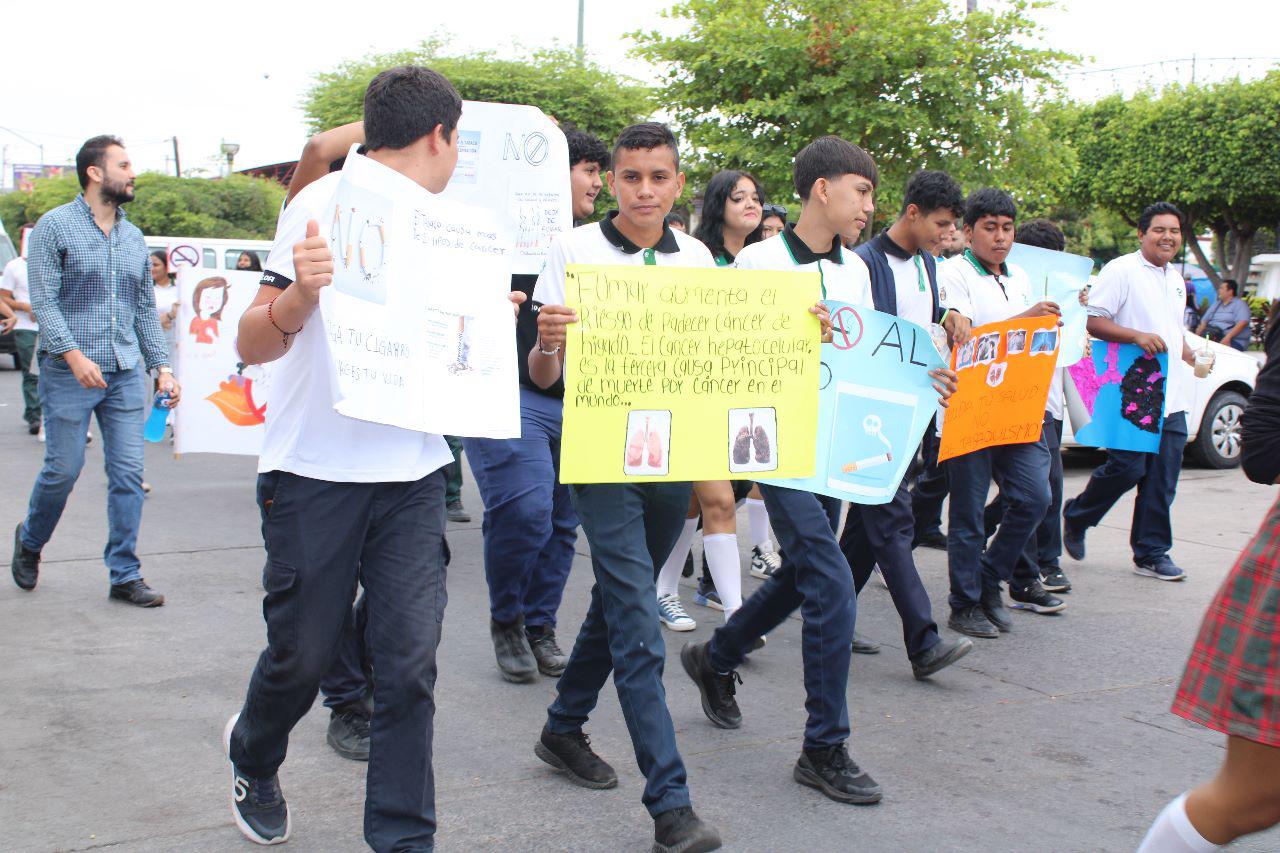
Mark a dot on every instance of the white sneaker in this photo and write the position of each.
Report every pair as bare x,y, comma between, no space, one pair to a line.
764,564
40,435
671,614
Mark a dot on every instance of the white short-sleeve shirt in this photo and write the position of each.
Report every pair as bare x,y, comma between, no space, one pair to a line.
911,287
304,435
1135,293
14,280
969,288
845,278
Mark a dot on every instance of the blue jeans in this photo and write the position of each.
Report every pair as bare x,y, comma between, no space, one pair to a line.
815,579
530,526
1155,475
632,527
321,537
1044,548
121,408
1022,471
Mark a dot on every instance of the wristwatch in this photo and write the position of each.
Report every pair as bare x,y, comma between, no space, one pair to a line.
163,369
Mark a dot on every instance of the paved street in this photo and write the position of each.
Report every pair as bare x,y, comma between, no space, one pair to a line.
1056,737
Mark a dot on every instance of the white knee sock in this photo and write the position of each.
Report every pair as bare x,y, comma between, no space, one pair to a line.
1173,833
758,518
669,577
726,568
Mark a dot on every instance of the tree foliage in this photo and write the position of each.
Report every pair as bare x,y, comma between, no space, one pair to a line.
238,207
1213,150
580,93
915,82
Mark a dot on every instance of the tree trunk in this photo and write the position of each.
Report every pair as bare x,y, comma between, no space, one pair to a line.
1243,258
1201,259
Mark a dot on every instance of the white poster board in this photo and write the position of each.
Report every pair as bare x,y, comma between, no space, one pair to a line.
186,253
517,156
224,403
418,323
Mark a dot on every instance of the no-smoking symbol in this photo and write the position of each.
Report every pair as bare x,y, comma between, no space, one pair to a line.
184,256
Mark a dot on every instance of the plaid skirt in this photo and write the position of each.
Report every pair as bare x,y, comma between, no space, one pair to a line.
1232,681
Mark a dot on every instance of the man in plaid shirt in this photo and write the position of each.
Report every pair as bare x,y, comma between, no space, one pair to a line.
89,274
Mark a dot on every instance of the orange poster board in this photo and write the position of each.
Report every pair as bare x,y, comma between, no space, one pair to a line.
1005,370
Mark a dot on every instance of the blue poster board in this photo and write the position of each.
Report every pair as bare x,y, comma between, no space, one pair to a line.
1121,392
875,402
1058,277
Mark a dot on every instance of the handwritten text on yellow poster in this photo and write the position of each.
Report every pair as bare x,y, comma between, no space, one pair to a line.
676,373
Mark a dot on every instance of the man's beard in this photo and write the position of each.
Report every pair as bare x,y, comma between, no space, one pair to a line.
117,193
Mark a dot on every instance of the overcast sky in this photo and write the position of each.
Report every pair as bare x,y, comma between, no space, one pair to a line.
237,69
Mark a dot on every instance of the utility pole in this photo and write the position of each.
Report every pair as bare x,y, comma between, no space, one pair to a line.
177,165
581,15
970,6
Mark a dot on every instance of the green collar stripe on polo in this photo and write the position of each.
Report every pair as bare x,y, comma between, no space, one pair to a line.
980,267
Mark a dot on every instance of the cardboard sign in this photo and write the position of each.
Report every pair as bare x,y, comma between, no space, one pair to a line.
1116,398
876,400
676,373
1059,277
1004,374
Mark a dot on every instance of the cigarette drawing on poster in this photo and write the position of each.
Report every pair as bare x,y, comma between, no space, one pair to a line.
869,431
648,443
753,439
1116,398
358,237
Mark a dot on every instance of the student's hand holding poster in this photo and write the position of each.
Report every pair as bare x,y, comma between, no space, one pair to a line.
418,318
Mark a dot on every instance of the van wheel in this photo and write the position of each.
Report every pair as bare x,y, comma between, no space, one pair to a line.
1218,443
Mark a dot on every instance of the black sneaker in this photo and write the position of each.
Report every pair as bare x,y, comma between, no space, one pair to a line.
835,774
992,603
1161,568
1072,537
1035,598
33,427
862,646
257,805
546,651
972,621
511,648
939,656
26,563
137,593
717,690
682,831
572,754
457,512
931,539
1055,580
349,734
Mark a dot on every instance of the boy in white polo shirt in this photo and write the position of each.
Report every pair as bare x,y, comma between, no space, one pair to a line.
1139,299
631,527
342,498
979,285
836,181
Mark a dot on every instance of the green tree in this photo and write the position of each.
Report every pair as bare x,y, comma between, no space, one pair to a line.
238,207
1213,150
579,93
915,82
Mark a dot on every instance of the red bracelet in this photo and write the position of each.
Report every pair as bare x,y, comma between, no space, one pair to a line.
272,319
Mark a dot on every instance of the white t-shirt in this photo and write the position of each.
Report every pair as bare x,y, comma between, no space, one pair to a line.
911,286
1135,293
982,296
602,243
304,435
15,281
166,298
845,277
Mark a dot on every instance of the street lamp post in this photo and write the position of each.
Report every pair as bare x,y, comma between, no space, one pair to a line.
229,150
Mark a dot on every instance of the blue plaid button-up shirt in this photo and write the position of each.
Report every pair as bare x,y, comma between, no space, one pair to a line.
92,291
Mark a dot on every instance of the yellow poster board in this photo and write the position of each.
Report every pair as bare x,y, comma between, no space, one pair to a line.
676,373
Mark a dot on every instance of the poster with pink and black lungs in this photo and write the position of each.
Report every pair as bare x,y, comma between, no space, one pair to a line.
1116,398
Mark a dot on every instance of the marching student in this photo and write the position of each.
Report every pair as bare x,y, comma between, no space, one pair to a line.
1133,302
346,499
631,526
836,182
982,287
15,297
904,283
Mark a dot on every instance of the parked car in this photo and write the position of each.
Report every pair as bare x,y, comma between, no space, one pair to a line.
1213,427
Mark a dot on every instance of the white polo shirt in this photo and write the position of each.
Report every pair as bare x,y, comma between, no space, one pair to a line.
845,277
14,280
1135,293
967,287
304,435
602,243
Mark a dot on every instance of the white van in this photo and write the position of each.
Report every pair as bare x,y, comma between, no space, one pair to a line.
211,254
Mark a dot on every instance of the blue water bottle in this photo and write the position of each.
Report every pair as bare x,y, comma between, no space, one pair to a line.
158,419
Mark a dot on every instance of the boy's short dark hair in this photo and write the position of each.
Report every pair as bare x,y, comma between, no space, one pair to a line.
1160,208
674,218
1042,234
931,190
585,148
405,103
648,136
93,153
988,202
831,157
1232,285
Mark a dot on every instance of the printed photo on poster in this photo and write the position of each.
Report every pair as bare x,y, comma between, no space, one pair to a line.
995,373
753,440
648,443
358,240
1044,342
1017,341
964,358
988,347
